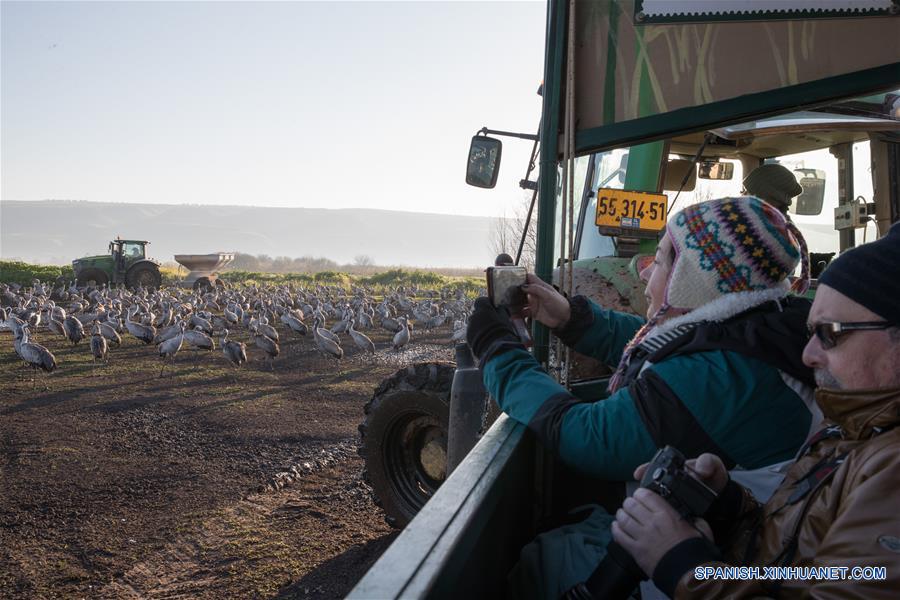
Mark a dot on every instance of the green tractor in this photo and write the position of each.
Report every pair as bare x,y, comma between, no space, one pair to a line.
126,263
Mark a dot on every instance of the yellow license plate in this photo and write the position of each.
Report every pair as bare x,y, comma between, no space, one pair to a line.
631,210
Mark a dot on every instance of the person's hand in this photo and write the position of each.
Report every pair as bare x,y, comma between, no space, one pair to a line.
648,527
488,324
708,468
544,303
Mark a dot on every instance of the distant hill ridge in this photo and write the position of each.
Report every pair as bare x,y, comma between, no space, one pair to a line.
56,231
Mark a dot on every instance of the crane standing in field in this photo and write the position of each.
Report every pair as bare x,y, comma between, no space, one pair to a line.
169,348
235,352
402,337
145,333
326,344
99,347
267,345
73,329
35,355
361,340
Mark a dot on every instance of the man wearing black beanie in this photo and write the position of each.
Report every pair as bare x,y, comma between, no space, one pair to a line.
870,275
837,505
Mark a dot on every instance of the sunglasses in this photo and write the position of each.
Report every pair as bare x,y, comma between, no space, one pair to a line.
829,333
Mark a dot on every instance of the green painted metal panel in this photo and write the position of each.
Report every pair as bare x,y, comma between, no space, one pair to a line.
550,121
466,538
621,273
736,110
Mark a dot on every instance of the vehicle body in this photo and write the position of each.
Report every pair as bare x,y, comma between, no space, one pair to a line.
646,87
125,263
203,269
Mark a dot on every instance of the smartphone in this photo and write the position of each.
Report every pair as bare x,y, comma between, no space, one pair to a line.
504,286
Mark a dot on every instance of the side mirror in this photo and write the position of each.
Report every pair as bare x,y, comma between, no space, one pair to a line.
484,161
715,170
810,200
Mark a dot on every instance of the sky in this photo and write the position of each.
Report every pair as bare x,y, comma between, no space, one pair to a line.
306,104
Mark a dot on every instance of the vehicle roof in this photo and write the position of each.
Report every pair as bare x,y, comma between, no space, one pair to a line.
789,134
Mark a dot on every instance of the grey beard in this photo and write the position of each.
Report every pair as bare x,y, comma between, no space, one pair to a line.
824,379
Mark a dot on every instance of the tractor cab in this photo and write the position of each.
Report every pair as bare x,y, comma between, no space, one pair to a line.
127,251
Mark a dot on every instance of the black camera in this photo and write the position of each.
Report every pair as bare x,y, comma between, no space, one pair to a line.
666,475
618,574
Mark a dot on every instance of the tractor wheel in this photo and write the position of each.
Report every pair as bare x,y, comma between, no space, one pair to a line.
146,276
404,439
93,277
202,285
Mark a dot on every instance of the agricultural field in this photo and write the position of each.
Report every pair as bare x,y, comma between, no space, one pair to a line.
209,481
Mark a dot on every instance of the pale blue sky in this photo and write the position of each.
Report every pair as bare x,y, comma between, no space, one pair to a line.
314,104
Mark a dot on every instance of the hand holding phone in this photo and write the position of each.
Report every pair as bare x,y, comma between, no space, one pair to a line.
504,285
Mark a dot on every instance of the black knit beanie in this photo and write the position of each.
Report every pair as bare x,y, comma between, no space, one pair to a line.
870,275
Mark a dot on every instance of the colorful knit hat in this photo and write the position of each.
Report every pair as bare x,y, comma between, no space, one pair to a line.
732,245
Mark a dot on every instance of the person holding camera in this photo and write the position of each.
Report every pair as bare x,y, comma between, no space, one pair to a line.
716,368
837,506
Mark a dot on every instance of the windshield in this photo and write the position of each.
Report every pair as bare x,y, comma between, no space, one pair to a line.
133,250
608,172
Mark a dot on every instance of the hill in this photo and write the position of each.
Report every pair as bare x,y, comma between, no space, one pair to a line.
56,231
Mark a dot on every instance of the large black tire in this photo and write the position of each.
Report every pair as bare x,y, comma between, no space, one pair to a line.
202,285
145,275
93,277
404,439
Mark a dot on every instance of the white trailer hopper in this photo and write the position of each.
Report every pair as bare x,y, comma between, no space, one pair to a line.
203,268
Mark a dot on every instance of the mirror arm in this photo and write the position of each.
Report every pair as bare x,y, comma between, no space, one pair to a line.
523,136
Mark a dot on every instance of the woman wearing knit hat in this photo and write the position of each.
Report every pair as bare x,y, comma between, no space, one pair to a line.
715,368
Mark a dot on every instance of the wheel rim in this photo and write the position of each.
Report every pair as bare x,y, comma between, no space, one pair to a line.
416,458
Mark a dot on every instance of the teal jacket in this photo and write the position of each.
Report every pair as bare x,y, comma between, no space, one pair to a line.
720,391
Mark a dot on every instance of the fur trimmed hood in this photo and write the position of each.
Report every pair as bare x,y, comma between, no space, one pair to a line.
721,309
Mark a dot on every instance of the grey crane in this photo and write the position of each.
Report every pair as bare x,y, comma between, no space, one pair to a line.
324,332
73,329
326,344
235,352
145,333
294,324
35,355
168,349
361,340
267,345
267,330
198,322
198,339
55,326
402,337
109,332
167,333
99,347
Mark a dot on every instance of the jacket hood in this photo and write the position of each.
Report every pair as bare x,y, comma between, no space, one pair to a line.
860,413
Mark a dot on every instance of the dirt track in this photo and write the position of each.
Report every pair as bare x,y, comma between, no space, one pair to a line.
205,483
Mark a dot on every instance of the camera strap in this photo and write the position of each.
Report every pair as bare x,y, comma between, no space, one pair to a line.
806,486
822,470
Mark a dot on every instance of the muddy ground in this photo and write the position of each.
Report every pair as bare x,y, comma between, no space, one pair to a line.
206,483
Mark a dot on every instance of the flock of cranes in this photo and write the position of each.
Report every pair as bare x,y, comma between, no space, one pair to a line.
171,319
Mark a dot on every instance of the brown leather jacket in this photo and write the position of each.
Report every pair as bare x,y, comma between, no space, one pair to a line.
849,518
